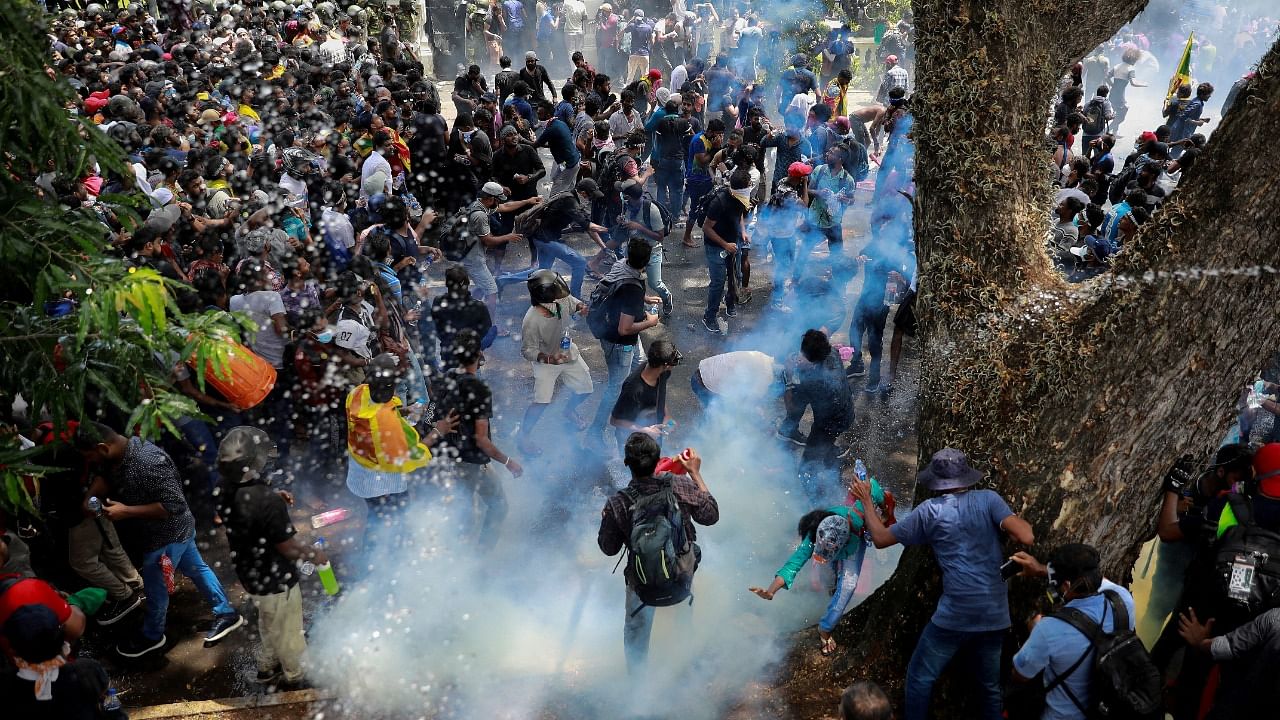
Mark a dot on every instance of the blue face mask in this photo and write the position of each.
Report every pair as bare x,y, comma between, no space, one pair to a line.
325,337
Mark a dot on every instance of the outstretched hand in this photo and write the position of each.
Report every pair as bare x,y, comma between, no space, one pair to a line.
762,593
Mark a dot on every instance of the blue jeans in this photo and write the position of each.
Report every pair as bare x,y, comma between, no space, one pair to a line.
784,258
653,276
719,272
935,649
869,321
619,359
186,560
670,182
847,571
636,630
549,251
205,437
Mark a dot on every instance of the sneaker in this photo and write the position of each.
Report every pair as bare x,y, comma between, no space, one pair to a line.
138,645
795,437
712,327
731,311
222,627
871,388
855,370
114,610
269,677
667,311
744,296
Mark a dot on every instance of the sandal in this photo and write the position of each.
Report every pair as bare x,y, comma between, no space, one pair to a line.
828,647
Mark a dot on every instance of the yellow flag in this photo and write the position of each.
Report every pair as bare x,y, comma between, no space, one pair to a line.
1182,75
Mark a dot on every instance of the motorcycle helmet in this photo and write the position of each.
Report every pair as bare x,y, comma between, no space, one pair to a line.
546,286
300,162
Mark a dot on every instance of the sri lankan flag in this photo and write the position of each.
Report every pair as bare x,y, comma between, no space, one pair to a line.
1183,74
378,436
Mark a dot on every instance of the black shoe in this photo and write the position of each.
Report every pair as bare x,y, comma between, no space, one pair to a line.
712,326
114,611
794,437
270,677
855,370
138,645
731,311
289,685
222,627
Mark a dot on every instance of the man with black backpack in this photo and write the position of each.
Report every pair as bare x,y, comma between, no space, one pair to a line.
465,236
616,316
646,220
1093,663
1097,113
653,519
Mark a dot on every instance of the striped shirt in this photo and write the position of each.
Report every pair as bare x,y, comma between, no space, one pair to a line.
366,483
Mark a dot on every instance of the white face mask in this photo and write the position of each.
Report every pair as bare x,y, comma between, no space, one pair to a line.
466,135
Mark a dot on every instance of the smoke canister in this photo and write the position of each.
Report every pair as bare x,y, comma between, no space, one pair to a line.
327,579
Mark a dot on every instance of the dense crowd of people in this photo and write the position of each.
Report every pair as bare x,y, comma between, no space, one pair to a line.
301,172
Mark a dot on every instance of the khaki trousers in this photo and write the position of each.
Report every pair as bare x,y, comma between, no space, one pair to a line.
94,552
280,625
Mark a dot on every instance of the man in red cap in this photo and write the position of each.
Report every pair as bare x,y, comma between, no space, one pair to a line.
895,76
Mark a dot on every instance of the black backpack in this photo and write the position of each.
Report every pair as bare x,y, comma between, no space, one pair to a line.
660,556
455,235
598,304
650,203
1095,118
1246,582
1125,683
611,175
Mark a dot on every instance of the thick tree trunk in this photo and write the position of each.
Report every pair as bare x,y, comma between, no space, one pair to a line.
1076,398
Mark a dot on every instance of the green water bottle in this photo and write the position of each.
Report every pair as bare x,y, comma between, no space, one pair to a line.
325,571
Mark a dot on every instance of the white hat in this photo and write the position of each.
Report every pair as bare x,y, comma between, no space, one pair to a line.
493,189
353,336
639,12
531,55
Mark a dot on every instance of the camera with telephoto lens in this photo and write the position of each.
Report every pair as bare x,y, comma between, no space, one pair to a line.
1180,475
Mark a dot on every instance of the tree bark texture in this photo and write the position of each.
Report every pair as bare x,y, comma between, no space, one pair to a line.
1075,398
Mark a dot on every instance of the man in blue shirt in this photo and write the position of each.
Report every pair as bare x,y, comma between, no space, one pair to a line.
962,526
558,138
1056,647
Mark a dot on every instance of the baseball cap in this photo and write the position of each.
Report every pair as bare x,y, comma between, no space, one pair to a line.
832,535
163,219
589,186
353,336
1146,136
531,55
248,449
639,12
631,187
34,633
509,131
493,189
798,169
891,60
655,74
209,116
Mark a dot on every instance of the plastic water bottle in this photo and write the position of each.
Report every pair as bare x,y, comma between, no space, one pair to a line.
95,506
653,309
564,342
327,579
112,701
860,470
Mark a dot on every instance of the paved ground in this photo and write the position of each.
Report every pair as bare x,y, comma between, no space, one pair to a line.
884,430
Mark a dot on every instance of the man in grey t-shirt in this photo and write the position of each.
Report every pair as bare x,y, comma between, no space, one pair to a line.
492,199
642,219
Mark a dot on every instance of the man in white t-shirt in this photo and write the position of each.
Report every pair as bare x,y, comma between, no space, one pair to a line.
743,375
267,310
575,20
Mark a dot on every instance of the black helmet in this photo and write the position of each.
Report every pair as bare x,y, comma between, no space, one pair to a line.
546,286
394,212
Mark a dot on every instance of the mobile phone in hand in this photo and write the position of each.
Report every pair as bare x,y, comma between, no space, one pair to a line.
1009,569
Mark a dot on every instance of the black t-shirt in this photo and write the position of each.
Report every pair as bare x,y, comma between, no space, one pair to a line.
562,213
629,300
637,401
455,314
672,139
472,399
727,213
257,519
